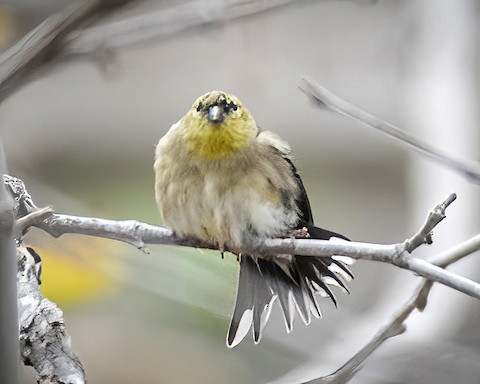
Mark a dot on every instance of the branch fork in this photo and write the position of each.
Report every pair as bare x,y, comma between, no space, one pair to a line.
139,234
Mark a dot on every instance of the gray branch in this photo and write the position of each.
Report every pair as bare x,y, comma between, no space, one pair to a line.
44,342
66,33
42,322
8,287
139,234
396,325
41,329
327,100
44,44
457,252
164,22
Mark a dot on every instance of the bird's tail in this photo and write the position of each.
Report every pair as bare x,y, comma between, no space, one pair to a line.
294,280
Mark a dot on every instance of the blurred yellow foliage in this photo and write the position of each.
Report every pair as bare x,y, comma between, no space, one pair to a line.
76,270
8,28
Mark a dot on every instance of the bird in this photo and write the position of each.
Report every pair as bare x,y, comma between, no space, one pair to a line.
221,179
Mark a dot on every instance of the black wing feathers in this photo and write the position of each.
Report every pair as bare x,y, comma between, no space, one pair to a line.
263,280
302,201
306,217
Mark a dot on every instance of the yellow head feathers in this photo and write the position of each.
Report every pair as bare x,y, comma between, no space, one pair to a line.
218,126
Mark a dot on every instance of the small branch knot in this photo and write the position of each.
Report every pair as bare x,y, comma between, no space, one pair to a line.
449,200
401,254
429,238
23,201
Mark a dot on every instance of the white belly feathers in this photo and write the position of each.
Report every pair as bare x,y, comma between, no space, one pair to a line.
224,216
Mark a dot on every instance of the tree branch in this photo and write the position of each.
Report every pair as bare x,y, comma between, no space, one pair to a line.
8,288
457,252
18,65
435,216
139,234
43,44
44,341
327,100
163,22
396,325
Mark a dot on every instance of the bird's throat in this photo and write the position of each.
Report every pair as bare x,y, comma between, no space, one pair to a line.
215,141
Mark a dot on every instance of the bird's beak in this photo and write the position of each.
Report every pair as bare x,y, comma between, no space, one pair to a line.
216,115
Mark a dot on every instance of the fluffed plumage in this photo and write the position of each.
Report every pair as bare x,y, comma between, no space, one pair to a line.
221,179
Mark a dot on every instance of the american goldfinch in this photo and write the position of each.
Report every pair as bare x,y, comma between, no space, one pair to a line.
223,180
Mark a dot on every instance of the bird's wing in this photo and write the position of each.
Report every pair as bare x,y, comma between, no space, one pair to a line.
283,152
296,283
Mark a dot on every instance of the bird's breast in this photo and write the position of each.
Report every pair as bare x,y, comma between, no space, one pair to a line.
223,207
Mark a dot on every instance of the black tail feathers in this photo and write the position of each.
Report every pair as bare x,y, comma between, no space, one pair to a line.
295,283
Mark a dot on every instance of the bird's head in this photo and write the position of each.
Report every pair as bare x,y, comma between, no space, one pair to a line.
218,125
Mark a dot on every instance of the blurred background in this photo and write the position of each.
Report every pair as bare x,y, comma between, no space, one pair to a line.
81,135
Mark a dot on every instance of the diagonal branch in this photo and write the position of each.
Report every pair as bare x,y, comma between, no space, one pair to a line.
447,258
163,22
327,100
435,216
396,325
43,44
66,32
457,252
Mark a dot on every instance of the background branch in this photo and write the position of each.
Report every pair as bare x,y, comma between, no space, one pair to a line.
65,33
161,22
44,43
327,100
396,325
8,287
457,252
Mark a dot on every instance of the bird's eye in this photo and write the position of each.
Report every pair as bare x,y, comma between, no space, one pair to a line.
199,107
231,106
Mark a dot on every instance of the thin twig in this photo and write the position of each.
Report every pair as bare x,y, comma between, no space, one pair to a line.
447,258
396,325
435,216
327,100
457,252
393,328
25,222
